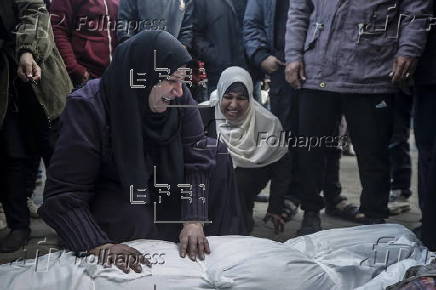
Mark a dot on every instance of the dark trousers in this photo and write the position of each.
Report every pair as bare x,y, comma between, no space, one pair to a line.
425,135
284,101
24,140
284,105
401,164
369,119
251,181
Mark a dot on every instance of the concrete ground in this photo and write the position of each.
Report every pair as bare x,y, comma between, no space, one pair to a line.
44,238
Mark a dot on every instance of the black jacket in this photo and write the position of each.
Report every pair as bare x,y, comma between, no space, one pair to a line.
217,36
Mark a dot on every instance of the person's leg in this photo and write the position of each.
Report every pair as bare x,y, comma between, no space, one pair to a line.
250,181
13,188
280,173
319,114
428,212
226,209
370,124
15,161
401,167
284,105
424,120
425,136
332,186
284,101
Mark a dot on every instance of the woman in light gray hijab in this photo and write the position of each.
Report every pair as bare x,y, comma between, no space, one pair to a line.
256,142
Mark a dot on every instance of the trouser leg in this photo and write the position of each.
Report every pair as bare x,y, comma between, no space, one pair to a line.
424,120
280,184
401,167
250,182
369,119
319,114
428,212
425,135
332,186
14,162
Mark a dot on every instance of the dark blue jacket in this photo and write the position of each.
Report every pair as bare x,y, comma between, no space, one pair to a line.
174,16
217,36
258,29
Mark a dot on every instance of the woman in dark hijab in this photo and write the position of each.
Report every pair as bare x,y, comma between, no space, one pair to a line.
132,161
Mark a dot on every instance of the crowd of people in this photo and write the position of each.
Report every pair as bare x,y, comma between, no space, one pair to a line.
148,117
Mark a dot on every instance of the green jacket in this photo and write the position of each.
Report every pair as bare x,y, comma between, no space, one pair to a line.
28,21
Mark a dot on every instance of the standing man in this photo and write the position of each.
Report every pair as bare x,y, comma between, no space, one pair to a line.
217,28
425,135
347,57
33,87
264,40
174,16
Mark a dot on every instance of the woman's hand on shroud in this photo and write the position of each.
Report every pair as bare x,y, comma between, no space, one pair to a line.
193,241
122,256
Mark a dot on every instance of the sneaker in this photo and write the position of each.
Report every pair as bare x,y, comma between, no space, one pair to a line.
15,240
33,208
311,223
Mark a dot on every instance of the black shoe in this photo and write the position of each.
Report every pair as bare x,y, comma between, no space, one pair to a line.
15,240
311,223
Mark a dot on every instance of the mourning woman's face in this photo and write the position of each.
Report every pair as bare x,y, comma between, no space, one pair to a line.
165,91
234,106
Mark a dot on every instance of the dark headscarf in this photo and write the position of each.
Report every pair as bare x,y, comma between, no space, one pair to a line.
140,137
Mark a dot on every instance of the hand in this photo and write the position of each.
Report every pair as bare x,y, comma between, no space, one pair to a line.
193,241
85,77
294,74
271,64
277,220
403,68
123,256
28,69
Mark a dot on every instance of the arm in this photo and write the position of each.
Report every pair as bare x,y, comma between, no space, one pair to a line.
296,29
199,160
413,34
127,12
185,35
70,179
414,17
254,34
34,34
63,19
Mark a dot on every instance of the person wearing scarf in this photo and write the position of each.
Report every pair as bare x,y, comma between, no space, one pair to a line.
252,135
132,161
